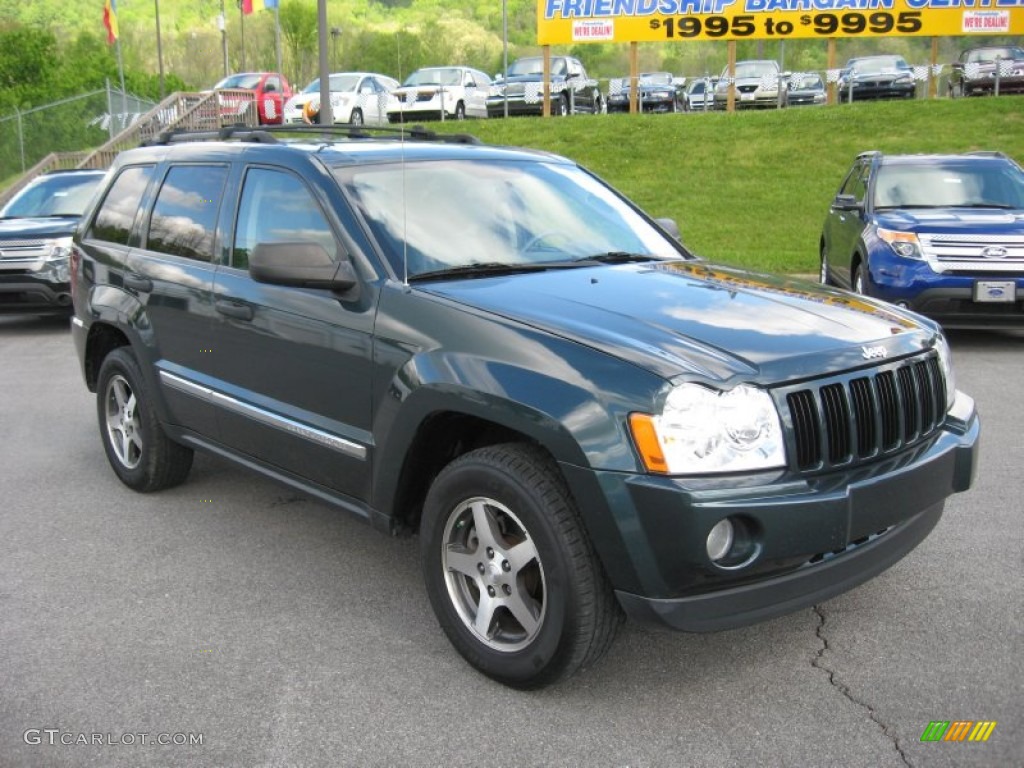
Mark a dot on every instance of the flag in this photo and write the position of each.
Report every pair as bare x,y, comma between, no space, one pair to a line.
248,6
110,20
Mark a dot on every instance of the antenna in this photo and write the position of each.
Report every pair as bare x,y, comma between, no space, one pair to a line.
401,142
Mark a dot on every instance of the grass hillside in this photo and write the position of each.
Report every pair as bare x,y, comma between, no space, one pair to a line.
753,188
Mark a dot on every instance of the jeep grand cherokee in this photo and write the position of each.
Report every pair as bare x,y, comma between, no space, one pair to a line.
491,347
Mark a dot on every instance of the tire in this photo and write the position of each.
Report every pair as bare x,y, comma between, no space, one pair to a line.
857,282
955,91
460,111
823,275
356,118
139,452
562,106
553,611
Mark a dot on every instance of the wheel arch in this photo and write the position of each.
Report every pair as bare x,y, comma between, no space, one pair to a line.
437,426
103,338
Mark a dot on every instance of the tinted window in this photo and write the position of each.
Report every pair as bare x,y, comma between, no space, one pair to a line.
277,207
185,214
856,182
113,222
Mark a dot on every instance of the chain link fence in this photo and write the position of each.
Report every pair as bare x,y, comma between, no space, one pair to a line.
66,125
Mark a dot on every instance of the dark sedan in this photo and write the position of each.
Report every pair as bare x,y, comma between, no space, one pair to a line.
979,70
877,77
657,91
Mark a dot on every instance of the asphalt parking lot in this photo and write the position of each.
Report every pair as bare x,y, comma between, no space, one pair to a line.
279,631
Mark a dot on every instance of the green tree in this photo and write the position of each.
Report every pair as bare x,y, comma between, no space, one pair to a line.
299,37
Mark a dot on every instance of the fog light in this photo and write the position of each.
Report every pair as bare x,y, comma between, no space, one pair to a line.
720,540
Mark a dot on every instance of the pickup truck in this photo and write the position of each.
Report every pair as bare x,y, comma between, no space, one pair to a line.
572,91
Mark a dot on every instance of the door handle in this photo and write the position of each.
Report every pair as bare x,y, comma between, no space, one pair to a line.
138,282
234,309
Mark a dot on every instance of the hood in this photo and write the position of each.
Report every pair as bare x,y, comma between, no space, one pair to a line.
881,77
961,221
528,78
11,229
699,319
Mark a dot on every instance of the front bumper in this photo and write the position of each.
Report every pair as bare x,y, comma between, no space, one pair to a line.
869,92
816,536
23,293
947,298
517,105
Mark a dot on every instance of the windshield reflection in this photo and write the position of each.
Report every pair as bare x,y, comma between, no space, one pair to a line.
451,214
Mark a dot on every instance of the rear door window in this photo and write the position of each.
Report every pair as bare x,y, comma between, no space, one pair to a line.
184,217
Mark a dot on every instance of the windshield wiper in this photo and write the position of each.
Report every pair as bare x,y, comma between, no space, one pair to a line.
1000,206
486,269
615,257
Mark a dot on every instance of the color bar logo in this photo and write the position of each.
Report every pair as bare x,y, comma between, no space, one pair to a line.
958,730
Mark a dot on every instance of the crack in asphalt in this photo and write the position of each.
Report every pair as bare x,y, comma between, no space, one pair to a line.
818,663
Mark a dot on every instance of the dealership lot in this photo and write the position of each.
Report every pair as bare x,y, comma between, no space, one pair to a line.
285,633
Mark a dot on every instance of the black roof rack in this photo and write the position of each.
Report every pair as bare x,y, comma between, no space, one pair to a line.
273,134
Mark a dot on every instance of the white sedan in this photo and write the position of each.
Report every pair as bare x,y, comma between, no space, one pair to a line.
440,93
356,98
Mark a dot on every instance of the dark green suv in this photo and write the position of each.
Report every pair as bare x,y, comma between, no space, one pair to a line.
492,348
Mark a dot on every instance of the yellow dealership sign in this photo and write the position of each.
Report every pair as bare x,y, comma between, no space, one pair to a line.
567,22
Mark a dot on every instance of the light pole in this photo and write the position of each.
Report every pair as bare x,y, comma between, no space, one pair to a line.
504,50
159,49
222,22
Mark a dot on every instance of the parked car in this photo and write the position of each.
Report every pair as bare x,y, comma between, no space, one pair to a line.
658,92
806,88
490,346
438,93
876,77
268,93
35,240
572,90
939,234
356,98
700,94
974,73
758,84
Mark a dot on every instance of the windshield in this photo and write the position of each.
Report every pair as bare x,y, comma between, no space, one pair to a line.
879,65
56,195
456,213
339,84
989,55
807,83
449,76
656,78
242,82
755,69
532,66
950,184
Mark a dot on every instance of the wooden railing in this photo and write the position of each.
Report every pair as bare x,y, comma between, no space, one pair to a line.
179,111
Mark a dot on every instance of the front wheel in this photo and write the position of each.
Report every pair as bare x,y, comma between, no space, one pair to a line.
823,275
509,570
139,452
858,279
356,118
460,111
562,105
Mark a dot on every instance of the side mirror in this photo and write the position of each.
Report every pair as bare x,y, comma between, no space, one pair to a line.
846,203
301,264
670,228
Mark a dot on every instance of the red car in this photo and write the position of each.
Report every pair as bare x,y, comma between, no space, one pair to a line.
270,91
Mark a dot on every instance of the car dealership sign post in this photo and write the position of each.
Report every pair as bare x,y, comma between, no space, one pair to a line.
568,22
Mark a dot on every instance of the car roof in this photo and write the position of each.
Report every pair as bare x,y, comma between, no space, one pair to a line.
336,152
973,157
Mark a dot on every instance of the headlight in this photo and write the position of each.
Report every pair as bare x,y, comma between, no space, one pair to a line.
904,79
701,430
903,244
946,363
56,262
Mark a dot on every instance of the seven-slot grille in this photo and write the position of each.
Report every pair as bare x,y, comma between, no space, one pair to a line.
866,414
